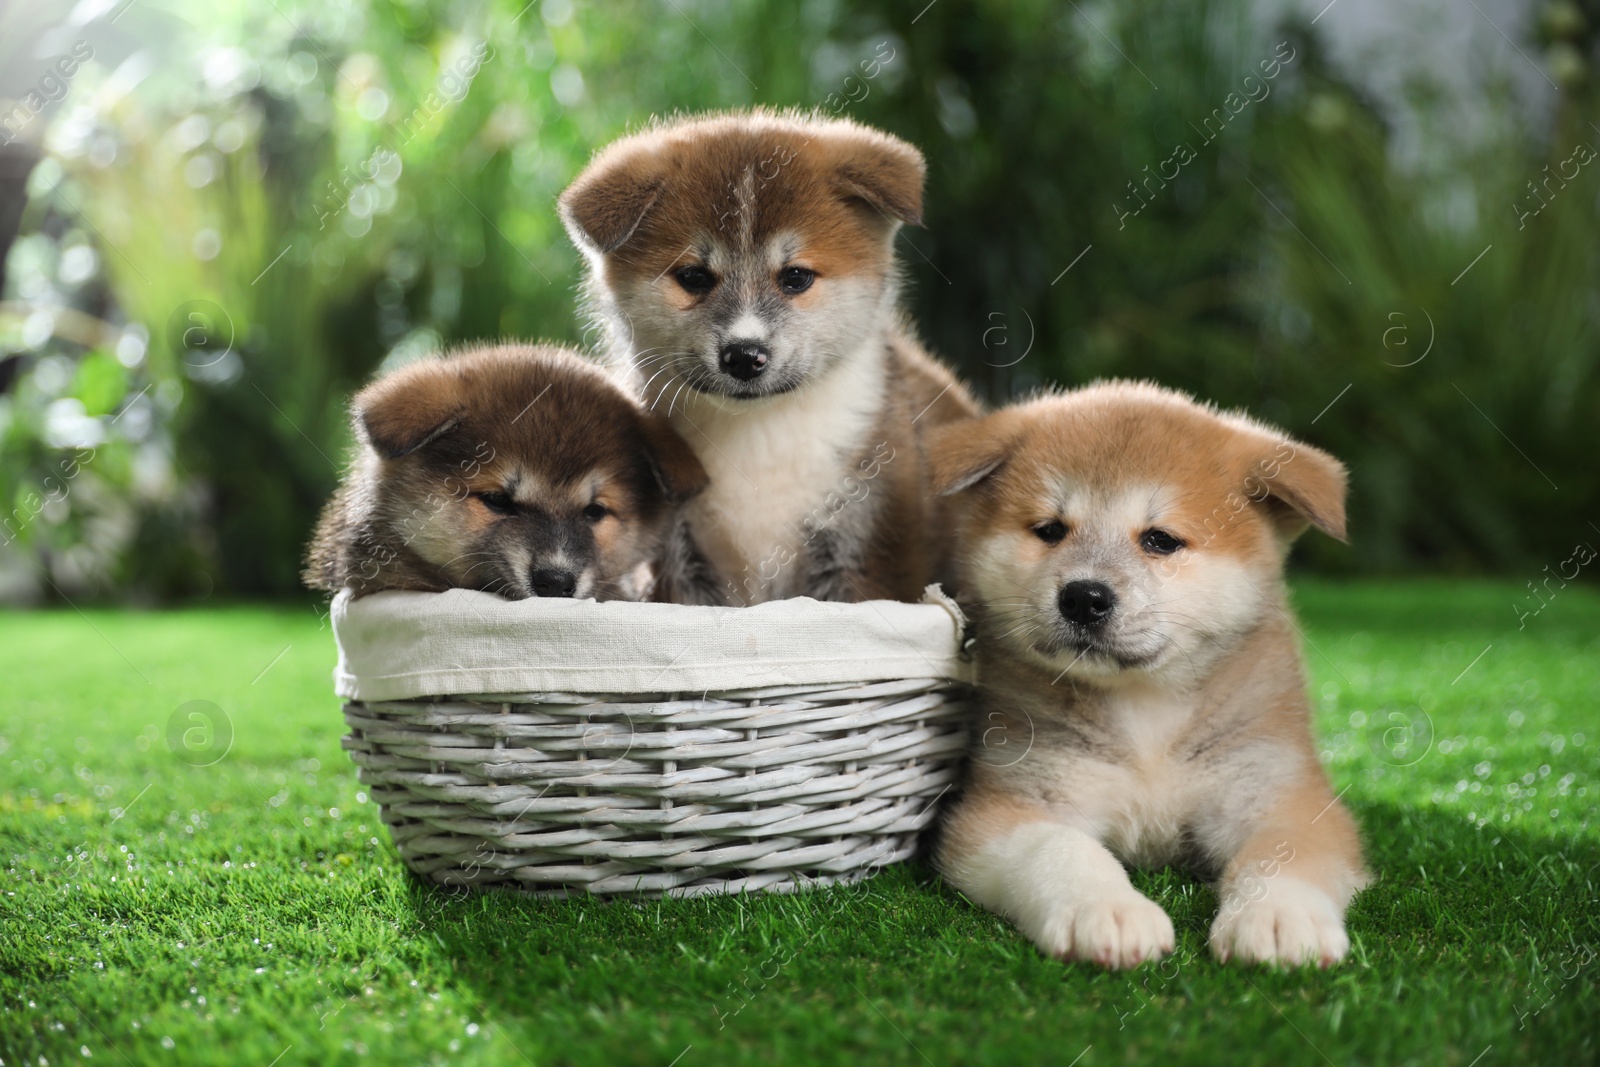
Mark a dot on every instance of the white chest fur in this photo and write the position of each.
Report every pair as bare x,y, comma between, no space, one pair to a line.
1137,805
772,463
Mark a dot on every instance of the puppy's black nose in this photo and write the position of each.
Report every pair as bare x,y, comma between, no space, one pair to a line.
744,359
1086,603
547,581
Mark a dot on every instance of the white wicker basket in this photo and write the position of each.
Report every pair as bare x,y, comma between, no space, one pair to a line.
568,746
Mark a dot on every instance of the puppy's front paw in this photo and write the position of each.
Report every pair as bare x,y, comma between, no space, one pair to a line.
1118,929
1291,924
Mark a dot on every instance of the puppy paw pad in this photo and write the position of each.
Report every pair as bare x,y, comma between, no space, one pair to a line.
1291,924
1117,931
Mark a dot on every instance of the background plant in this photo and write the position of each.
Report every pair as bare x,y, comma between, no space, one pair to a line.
327,191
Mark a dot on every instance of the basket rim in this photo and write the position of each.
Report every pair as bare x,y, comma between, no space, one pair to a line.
400,645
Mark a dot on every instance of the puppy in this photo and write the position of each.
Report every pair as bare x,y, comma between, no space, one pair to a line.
742,267
1142,697
518,470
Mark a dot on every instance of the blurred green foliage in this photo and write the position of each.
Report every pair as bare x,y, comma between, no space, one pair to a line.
293,194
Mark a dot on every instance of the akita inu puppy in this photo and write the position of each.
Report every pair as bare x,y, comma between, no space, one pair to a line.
1142,696
522,470
742,266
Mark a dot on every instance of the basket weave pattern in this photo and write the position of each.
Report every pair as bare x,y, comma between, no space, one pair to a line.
771,789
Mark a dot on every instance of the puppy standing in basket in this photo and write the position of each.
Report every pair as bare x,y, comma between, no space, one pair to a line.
1143,699
743,266
515,469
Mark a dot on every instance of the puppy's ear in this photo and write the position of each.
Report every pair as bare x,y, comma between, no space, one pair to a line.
674,465
1300,485
605,204
962,454
408,409
881,171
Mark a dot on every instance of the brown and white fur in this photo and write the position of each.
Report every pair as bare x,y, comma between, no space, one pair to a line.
522,470
1142,696
742,266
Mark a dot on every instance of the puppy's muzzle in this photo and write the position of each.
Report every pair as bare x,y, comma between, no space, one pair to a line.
744,360
547,581
1086,604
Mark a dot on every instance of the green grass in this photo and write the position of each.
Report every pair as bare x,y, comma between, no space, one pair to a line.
253,908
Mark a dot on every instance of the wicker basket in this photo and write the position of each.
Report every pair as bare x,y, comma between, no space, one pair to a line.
641,749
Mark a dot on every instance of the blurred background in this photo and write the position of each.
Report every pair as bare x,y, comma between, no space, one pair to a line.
1374,223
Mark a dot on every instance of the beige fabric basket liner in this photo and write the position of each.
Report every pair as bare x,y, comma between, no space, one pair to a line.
399,645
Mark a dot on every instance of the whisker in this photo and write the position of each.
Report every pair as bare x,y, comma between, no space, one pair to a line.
645,388
684,385
463,555
663,392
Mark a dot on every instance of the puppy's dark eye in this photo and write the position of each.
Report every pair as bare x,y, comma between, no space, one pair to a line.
500,503
795,280
1159,542
695,280
595,512
1051,532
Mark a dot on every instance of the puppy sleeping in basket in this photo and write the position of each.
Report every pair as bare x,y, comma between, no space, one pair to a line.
516,470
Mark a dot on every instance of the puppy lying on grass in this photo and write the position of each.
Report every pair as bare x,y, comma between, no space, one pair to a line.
1143,699
514,469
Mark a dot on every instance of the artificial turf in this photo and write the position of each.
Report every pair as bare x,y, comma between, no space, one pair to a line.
159,907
